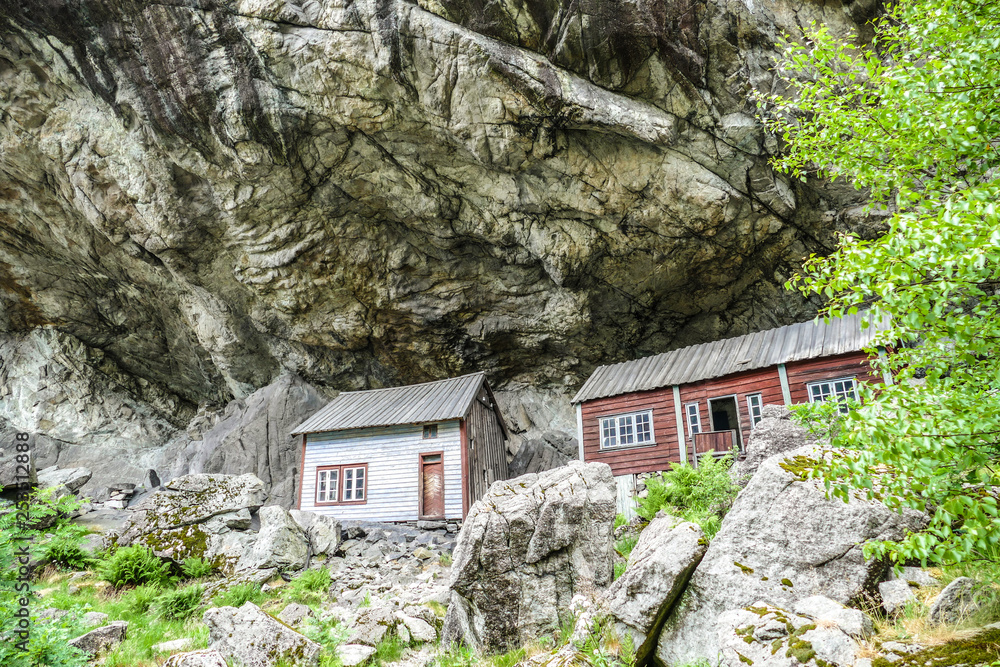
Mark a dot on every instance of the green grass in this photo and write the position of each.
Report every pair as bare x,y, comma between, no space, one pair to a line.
625,545
310,587
510,658
239,595
390,649
134,606
620,569
456,655
180,604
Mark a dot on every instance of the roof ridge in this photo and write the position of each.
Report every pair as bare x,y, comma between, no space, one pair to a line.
409,386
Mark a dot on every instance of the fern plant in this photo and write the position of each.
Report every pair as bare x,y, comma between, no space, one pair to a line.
702,495
133,566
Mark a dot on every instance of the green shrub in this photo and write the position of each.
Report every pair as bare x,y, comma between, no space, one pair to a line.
456,655
141,598
48,641
702,495
181,603
196,568
65,548
133,566
390,649
312,580
239,595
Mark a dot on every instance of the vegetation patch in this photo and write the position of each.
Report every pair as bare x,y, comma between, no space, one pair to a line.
133,566
981,649
701,495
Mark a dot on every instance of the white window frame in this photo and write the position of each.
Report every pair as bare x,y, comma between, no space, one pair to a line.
755,408
613,426
840,396
339,489
327,485
693,425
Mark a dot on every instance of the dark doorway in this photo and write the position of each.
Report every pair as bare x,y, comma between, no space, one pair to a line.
432,486
726,417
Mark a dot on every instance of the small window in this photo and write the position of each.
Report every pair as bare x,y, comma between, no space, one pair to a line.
430,431
693,418
326,485
840,390
627,430
341,484
754,407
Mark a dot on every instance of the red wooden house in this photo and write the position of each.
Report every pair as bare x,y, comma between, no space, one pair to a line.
641,415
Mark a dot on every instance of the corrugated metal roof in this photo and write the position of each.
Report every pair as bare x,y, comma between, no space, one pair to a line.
412,404
807,340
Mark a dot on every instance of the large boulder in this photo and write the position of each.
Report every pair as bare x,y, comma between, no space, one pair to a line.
658,569
323,531
782,541
255,639
186,501
65,481
526,549
537,455
854,622
253,434
281,543
765,636
12,471
774,434
956,601
101,639
206,658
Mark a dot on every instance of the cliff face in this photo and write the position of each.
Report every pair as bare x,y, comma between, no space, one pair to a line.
200,194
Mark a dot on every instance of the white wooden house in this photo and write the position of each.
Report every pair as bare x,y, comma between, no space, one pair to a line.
425,451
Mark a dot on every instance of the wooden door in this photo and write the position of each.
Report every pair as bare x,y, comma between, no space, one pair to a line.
432,486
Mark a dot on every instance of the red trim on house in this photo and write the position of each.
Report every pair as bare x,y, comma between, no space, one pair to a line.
340,484
465,466
302,470
763,381
420,486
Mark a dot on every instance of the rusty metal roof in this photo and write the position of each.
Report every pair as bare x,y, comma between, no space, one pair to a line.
413,404
807,340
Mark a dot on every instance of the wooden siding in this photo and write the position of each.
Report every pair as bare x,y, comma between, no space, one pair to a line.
801,373
393,457
487,460
625,496
627,460
765,381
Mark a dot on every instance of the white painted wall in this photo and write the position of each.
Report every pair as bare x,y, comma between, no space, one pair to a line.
625,496
392,454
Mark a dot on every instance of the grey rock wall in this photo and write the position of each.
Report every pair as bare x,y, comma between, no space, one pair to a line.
197,197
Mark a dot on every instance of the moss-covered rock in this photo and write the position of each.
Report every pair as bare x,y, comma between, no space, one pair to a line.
770,637
982,648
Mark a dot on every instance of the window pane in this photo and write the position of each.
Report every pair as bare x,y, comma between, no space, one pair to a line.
694,420
609,434
754,404
332,496
642,432
626,434
359,484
